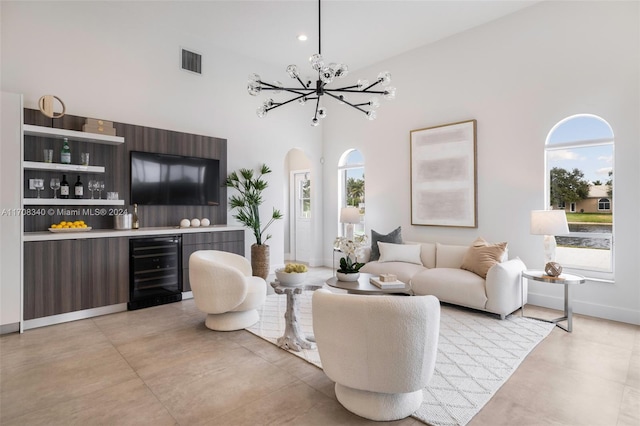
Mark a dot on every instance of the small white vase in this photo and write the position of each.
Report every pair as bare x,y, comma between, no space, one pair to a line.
347,277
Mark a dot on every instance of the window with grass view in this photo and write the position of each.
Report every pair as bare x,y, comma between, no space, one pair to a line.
351,180
579,165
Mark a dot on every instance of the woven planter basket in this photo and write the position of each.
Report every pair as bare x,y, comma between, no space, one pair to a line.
260,260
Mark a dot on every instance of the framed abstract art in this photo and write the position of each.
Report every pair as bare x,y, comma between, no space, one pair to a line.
443,175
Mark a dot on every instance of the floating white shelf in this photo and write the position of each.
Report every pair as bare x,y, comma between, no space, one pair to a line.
51,132
70,202
58,167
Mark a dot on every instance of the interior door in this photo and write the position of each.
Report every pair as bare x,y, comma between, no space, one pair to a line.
302,211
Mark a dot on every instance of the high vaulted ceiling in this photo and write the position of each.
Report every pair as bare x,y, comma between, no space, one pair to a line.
357,32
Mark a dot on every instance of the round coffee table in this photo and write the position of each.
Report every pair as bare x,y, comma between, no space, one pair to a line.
363,286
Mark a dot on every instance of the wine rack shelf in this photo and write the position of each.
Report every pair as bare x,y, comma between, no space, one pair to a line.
71,202
51,132
58,167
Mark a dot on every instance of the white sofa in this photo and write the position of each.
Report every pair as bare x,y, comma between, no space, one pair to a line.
439,274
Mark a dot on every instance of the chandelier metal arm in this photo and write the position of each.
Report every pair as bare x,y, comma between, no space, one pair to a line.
317,106
289,89
372,84
378,92
285,102
339,99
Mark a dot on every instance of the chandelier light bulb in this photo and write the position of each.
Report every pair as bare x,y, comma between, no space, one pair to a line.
268,103
389,93
341,71
292,70
374,102
326,75
261,111
384,78
302,101
322,112
371,115
253,88
316,61
315,122
255,78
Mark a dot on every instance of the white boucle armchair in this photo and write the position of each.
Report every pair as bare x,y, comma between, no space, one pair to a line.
224,289
379,350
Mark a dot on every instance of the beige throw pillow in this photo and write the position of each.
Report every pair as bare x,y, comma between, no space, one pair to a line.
481,256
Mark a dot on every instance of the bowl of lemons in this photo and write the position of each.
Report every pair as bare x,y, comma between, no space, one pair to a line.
70,226
292,274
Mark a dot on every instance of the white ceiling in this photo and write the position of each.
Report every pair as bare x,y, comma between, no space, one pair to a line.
356,32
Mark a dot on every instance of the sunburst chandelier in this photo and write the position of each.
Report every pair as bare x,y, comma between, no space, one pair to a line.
326,75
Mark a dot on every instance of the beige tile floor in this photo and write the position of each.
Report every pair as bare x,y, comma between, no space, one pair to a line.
162,366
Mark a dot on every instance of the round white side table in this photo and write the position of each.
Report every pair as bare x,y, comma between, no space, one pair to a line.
564,279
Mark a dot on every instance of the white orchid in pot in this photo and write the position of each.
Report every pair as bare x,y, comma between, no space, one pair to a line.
248,203
353,249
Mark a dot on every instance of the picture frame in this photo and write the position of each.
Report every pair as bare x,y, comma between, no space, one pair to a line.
444,175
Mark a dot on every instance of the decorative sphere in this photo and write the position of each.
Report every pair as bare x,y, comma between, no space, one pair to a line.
553,269
204,222
195,222
185,223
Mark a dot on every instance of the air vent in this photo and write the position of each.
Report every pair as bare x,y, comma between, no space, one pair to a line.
191,61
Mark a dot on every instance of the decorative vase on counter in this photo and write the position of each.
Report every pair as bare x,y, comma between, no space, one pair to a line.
260,260
348,277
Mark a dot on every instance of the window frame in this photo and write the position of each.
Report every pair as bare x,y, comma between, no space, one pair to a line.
593,274
343,168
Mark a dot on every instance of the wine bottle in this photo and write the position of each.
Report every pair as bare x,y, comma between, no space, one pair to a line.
135,223
78,189
65,154
64,187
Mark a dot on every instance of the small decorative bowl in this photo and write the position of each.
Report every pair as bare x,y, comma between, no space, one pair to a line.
290,278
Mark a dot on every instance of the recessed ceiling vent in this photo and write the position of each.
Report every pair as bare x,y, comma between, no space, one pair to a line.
191,61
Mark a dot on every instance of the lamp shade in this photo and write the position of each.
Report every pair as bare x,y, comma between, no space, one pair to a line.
349,215
549,222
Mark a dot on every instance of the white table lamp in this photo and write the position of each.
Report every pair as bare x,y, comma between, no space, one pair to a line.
350,216
549,223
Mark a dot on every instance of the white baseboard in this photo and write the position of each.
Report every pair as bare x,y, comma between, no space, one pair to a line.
586,308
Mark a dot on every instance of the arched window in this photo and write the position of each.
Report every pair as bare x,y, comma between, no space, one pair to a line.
351,186
604,204
579,180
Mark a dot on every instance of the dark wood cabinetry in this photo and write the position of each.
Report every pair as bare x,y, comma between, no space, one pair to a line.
72,275
231,241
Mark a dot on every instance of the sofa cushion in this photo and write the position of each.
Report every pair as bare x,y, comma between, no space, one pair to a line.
403,270
451,285
481,256
409,253
449,256
394,236
427,253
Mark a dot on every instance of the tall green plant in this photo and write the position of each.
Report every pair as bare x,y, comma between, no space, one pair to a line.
249,199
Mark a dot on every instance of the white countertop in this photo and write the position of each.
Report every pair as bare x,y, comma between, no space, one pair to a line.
112,233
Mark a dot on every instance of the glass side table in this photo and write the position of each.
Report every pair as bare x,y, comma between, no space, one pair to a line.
564,279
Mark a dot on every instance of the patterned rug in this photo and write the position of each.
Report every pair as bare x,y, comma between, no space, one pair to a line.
477,353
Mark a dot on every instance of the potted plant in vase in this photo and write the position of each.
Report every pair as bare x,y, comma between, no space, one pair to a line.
248,202
349,265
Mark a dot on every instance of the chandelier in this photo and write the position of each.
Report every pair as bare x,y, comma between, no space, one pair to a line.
326,75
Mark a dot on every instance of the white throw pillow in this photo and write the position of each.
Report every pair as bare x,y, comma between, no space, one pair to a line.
409,253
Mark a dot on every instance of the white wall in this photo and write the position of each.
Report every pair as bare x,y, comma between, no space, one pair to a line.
517,76
109,60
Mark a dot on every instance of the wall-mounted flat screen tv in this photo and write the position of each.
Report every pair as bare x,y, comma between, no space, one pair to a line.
174,180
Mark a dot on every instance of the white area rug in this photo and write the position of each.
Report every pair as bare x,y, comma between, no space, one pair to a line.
477,353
